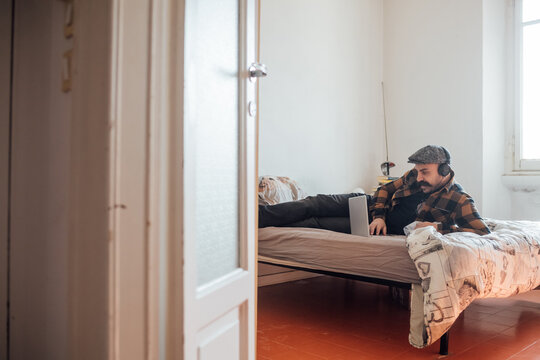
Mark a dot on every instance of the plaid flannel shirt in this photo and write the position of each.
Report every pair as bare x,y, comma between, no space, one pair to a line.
449,206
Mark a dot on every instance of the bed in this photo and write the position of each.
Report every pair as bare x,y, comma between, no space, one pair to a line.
381,259
445,273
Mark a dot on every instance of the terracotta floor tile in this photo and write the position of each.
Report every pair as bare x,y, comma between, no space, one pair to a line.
519,311
507,319
502,302
288,337
420,354
531,311
485,326
295,354
352,356
381,349
485,351
348,340
329,318
514,342
461,341
475,315
525,357
360,344
322,348
474,307
271,348
531,352
529,330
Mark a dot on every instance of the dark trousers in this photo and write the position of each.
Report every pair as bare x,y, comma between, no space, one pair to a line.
330,212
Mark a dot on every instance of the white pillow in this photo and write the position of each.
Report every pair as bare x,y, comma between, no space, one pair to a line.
278,189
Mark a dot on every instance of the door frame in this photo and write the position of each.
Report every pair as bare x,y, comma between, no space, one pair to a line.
6,27
126,272
145,203
125,250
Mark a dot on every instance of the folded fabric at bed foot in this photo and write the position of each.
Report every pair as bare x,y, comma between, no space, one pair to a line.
458,268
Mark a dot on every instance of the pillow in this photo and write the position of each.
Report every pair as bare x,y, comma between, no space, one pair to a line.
278,189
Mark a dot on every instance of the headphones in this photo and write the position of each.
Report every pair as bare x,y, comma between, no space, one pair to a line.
444,168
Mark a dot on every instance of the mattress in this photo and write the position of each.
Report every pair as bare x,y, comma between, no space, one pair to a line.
382,257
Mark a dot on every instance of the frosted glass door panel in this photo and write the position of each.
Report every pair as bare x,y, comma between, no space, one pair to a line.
212,111
531,92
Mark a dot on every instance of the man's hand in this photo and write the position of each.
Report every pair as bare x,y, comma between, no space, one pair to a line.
425,224
377,227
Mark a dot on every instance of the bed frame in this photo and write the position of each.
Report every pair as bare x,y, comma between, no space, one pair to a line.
443,349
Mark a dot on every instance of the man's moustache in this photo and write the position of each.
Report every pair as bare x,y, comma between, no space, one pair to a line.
424,183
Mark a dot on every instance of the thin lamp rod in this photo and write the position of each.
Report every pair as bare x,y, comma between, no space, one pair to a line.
384,115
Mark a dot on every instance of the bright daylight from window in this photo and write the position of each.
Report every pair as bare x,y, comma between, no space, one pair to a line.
531,80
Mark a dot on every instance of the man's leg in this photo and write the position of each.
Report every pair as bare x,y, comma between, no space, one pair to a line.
339,224
292,212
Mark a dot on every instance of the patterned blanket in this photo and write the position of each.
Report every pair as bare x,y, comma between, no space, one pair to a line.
457,268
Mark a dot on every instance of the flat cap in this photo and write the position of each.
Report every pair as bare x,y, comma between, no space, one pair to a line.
430,154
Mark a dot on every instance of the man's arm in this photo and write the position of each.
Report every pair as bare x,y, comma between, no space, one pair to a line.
466,219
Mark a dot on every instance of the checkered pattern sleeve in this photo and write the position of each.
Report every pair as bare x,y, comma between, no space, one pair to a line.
466,217
382,199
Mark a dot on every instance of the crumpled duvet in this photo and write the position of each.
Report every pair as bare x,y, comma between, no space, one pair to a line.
457,268
278,189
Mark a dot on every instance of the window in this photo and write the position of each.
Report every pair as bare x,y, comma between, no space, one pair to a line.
527,135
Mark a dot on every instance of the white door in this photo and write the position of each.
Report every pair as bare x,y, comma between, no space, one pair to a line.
219,180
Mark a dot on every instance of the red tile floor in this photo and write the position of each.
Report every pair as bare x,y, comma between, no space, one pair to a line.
332,318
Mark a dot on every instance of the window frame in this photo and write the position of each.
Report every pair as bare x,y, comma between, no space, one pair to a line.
520,164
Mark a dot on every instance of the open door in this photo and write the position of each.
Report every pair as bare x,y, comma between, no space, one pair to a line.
219,179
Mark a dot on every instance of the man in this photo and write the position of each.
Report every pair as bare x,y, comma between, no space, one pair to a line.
427,194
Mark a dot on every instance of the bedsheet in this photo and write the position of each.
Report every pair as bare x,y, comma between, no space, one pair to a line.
457,268
382,257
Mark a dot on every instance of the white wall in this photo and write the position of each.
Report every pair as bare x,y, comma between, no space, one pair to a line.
321,119
525,195
496,197
433,77
445,70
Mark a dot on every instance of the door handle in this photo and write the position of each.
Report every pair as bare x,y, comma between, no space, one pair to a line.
257,70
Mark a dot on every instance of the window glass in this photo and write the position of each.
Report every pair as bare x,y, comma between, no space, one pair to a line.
531,10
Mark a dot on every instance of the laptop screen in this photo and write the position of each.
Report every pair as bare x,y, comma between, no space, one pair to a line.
359,217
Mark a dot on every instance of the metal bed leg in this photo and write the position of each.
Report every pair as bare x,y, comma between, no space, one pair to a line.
443,350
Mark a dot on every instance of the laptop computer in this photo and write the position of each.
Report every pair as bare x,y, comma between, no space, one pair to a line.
359,216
